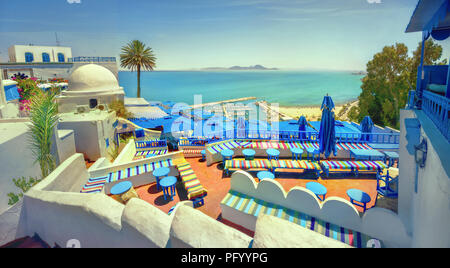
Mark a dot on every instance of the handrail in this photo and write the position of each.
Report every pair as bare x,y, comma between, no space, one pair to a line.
92,59
437,108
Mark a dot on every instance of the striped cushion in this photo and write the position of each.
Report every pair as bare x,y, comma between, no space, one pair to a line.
352,145
192,185
300,164
247,164
217,148
256,207
192,151
134,171
154,152
349,165
94,185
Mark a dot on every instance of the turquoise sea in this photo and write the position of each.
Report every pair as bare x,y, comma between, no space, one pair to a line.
288,88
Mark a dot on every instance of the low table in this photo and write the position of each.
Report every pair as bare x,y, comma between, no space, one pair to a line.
159,173
124,191
359,196
296,153
249,154
318,189
265,175
273,154
313,152
366,154
168,186
227,155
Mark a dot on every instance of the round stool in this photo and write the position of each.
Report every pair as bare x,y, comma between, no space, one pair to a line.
249,154
265,175
159,173
272,154
227,154
318,189
296,153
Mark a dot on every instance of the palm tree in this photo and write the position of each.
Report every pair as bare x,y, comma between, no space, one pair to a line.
135,55
43,119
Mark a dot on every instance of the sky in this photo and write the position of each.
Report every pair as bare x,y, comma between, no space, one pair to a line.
193,34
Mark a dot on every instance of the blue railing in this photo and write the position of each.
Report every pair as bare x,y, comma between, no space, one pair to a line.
437,107
150,144
381,138
92,59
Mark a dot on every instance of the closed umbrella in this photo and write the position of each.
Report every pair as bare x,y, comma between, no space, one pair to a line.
327,132
366,127
302,127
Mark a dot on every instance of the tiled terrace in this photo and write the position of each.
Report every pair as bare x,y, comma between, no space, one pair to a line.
218,184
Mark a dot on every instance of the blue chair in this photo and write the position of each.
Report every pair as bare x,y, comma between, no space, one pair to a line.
386,190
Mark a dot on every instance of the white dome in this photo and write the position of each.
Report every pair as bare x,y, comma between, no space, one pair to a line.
92,78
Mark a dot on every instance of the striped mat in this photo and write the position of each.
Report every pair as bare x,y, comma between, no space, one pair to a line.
95,185
352,145
223,146
349,165
247,164
154,152
134,171
299,164
255,207
192,185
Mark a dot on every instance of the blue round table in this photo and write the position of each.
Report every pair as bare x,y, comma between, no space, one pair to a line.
249,154
313,152
265,175
121,187
273,154
160,172
168,186
227,154
203,152
318,189
359,196
296,153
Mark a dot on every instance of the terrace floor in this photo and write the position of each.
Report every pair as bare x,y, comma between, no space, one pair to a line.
218,185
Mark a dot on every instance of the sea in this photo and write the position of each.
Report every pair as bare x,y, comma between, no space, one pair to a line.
287,88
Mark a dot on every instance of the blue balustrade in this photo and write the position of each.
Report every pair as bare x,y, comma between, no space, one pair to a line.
437,107
92,59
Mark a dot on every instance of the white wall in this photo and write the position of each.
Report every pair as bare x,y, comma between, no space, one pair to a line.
426,211
17,53
379,223
15,157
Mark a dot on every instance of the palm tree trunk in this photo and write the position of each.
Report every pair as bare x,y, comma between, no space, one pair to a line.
139,81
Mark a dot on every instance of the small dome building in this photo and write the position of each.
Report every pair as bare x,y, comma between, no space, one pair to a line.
90,85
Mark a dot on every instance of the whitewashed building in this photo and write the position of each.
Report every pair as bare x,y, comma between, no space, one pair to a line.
41,54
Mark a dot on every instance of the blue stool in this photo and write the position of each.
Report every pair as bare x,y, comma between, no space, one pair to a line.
121,188
318,189
168,186
272,154
296,153
159,173
313,152
198,202
265,175
203,152
249,154
227,155
360,197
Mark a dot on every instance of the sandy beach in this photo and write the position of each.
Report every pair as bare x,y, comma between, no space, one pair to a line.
313,113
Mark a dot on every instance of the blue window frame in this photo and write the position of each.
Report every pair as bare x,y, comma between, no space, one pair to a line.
107,142
45,57
61,57
29,57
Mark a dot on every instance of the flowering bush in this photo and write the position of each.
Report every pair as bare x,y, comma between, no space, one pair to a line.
26,88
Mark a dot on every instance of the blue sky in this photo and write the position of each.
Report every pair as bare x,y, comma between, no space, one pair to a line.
189,34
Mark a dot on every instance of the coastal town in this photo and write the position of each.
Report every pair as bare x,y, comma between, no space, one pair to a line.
86,163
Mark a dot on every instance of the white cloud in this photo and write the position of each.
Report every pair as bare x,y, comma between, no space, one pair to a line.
374,1
74,1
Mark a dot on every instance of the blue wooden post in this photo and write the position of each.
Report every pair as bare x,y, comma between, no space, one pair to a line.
447,94
420,72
